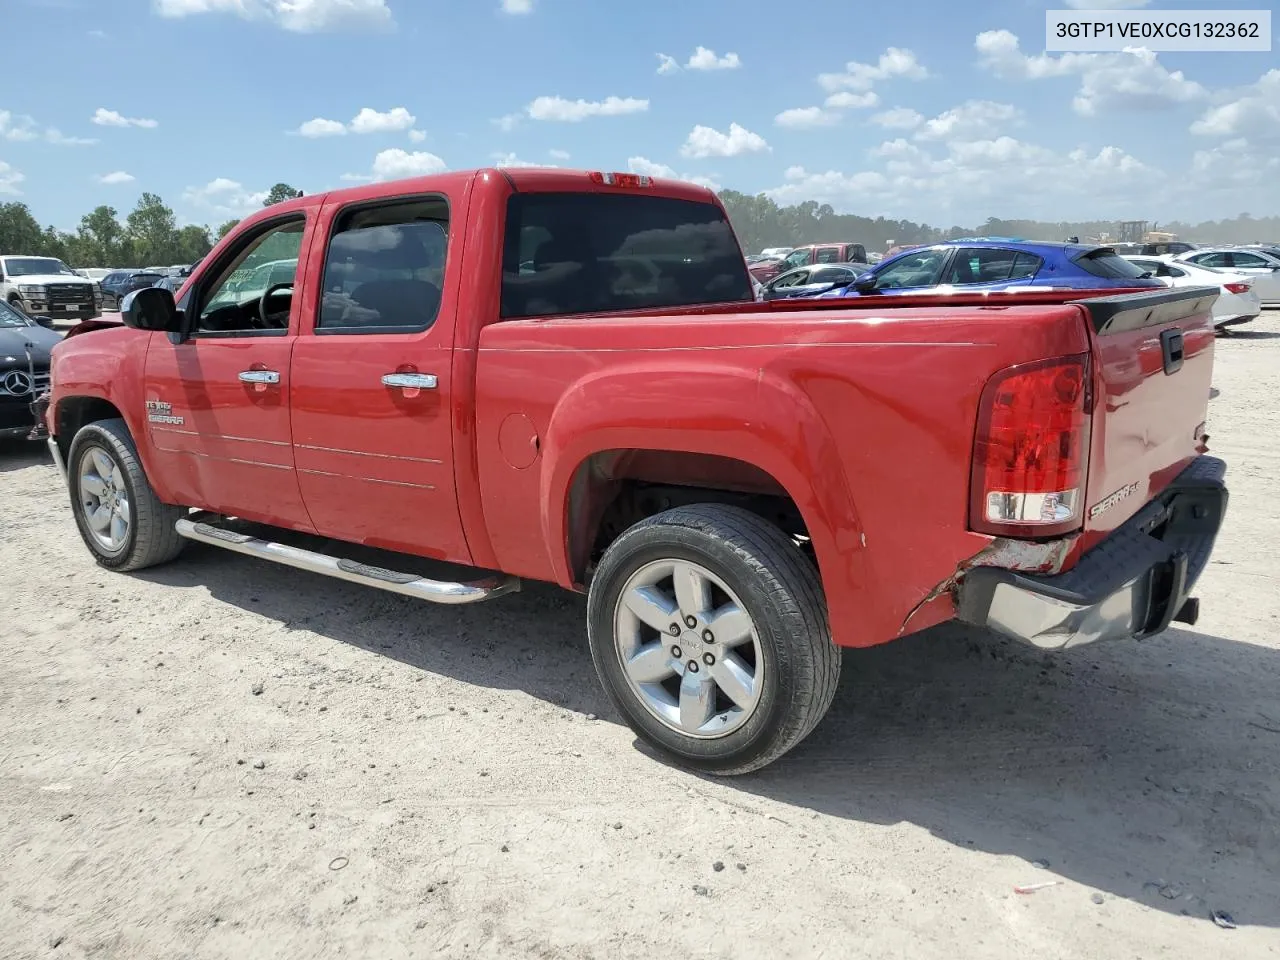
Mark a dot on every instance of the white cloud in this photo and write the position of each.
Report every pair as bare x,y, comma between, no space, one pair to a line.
9,179
54,135
558,154
298,16
806,118
848,100
511,160
394,120
417,136
25,129
396,164
110,118
1130,80
119,176
972,119
1255,112
650,168
17,128
704,59
894,62
320,127
517,6
899,118
972,179
368,120
575,111
509,122
708,142
224,197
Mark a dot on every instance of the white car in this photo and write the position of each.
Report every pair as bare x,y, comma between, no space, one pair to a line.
46,289
1263,267
1237,302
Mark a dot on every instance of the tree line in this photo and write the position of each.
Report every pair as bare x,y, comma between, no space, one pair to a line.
149,235
761,223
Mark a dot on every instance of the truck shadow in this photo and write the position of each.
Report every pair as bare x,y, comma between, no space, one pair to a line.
21,454
1147,771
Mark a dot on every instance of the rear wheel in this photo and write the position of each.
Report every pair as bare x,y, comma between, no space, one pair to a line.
121,520
709,630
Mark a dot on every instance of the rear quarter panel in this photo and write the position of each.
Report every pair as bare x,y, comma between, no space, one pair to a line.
865,417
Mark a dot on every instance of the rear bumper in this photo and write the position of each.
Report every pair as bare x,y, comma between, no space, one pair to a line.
1236,320
1131,585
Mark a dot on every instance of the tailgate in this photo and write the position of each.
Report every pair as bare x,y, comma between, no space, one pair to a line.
1153,356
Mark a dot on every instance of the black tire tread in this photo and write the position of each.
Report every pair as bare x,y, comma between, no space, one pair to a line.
156,539
796,589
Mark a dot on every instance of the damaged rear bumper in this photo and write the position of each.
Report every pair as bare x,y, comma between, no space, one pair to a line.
1131,585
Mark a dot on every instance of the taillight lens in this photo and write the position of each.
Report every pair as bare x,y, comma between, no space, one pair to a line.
1236,287
1031,450
626,180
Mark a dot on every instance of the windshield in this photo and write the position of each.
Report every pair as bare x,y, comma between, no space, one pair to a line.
10,317
35,266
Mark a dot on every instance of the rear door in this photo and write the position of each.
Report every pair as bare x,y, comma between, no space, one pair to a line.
371,375
1153,354
1265,273
990,268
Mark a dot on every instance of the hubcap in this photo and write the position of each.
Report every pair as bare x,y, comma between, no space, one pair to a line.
104,499
689,648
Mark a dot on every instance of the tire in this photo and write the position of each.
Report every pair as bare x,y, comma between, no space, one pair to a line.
150,537
747,560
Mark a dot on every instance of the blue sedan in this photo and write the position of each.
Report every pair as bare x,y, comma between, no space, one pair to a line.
980,265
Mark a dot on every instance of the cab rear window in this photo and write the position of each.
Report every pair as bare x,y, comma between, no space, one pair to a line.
1105,262
569,253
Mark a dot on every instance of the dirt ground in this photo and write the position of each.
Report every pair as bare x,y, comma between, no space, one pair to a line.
222,758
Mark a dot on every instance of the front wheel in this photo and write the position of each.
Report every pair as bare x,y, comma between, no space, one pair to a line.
121,520
709,631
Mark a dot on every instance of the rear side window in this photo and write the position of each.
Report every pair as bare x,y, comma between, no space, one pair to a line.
827,255
384,270
568,253
1107,263
991,265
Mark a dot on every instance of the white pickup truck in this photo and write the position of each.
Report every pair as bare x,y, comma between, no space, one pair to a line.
46,289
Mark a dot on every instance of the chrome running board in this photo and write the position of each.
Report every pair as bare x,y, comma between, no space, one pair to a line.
408,584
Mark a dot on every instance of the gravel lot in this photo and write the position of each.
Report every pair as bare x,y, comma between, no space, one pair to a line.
222,758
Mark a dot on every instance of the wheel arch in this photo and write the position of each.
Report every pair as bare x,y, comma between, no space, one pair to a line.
744,435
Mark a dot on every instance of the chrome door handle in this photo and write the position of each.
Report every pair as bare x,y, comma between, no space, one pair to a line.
259,376
410,381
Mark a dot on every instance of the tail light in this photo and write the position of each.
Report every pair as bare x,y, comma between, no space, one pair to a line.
1031,450
1236,287
630,180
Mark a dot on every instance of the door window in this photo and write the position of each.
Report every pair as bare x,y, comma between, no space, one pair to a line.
1249,261
827,255
384,269
1212,259
792,279
991,265
232,303
798,258
920,268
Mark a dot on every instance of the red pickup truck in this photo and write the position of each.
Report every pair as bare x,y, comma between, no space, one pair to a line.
563,376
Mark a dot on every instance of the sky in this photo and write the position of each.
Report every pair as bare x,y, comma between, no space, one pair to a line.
937,111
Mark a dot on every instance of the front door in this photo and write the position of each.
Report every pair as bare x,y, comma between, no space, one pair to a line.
372,377
217,404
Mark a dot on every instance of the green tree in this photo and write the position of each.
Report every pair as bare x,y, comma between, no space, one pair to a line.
99,240
19,231
281,192
193,243
226,228
154,231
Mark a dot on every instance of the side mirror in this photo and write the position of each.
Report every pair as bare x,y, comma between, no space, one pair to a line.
865,283
151,308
